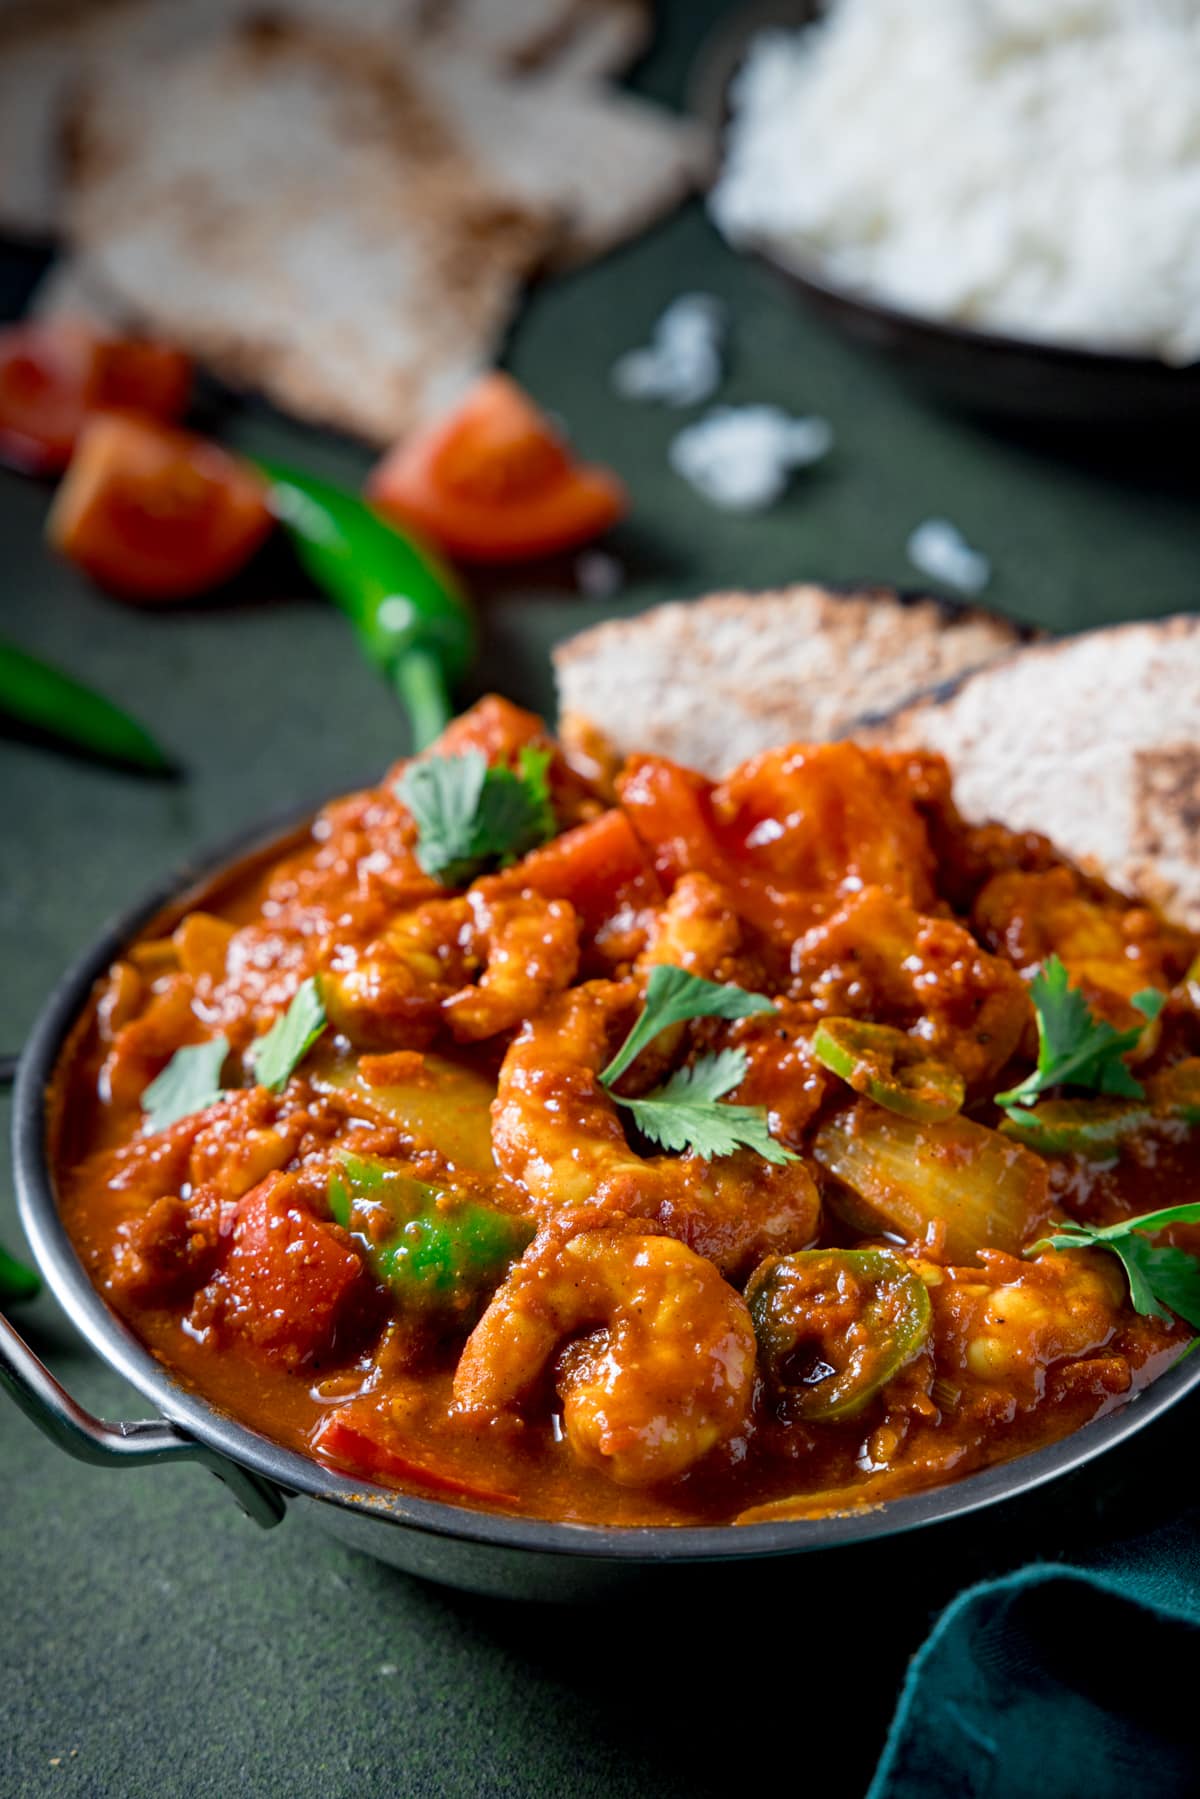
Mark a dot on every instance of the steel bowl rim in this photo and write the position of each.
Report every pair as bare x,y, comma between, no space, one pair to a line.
300,1475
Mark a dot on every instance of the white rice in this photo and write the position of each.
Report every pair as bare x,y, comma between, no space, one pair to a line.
939,549
742,457
681,365
1029,166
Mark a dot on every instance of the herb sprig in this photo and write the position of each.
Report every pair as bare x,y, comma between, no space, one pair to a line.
469,814
1162,1279
1075,1048
281,1049
190,1081
686,1112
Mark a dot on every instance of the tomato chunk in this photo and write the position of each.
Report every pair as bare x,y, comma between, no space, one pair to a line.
359,1448
291,1284
154,513
54,374
495,482
589,866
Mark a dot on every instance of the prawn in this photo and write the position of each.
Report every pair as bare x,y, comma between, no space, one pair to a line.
666,1374
477,963
558,1135
876,958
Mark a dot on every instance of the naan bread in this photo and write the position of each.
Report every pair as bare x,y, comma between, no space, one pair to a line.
1094,741
290,208
602,164
709,682
48,48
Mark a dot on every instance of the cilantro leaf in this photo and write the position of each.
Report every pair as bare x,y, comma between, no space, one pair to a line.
684,1114
1162,1279
469,814
673,995
282,1048
1075,1048
190,1081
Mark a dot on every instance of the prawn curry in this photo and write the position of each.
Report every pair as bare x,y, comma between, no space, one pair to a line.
612,1145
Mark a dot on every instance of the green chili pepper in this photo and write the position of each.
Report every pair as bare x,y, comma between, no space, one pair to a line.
890,1068
1096,1127
34,693
437,1250
411,616
799,1304
16,1281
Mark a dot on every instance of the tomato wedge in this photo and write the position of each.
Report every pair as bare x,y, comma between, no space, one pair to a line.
355,1447
53,374
494,482
154,513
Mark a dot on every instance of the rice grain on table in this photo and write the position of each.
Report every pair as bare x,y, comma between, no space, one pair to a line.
1028,166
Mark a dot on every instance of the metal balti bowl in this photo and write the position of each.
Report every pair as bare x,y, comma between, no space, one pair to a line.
483,1552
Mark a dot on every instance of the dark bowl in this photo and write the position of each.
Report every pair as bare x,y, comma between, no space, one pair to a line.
479,1551
984,371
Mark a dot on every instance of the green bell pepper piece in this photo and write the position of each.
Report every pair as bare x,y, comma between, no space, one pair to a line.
798,1308
437,1250
409,612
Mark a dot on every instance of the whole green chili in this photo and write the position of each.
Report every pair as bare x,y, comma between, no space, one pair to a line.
410,614
16,1281
34,693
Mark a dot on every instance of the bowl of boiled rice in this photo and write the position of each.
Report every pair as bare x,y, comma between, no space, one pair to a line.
1002,194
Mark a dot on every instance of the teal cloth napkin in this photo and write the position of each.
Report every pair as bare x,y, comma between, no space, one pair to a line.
1059,1681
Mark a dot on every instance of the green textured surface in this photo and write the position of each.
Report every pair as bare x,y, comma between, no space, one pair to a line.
151,1640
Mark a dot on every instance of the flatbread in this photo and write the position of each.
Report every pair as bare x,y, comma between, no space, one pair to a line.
49,47
1094,741
602,164
292,209
709,682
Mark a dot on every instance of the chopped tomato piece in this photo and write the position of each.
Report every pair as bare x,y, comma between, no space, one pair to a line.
670,809
155,513
291,1282
495,726
357,1448
495,482
589,866
54,374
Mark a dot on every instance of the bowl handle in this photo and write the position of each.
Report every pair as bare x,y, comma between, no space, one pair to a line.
89,1439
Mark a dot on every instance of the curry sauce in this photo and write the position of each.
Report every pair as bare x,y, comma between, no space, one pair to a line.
787,1252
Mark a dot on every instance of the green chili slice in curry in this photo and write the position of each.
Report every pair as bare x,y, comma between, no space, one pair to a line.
812,1360
889,1067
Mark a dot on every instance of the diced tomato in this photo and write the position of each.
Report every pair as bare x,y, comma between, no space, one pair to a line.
291,1281
54,374
669,808
495,482
357,1448
495,726
154,513
589,866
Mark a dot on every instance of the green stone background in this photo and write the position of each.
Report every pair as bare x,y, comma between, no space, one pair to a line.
152,1642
